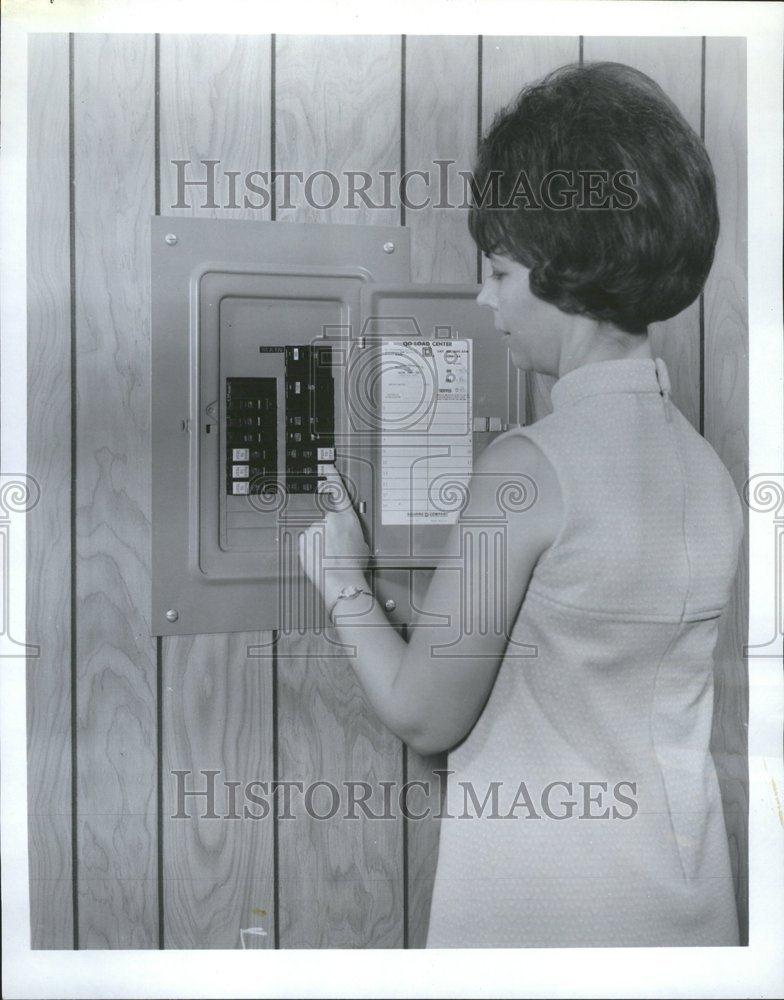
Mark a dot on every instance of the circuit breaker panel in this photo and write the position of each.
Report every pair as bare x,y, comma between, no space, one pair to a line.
278,350
281,425
278,433
251,424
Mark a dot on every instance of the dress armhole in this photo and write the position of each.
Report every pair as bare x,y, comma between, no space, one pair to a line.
551,455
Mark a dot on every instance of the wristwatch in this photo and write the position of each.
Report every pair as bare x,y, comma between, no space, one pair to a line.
347,594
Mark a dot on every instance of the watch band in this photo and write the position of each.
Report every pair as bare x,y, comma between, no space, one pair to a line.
347,594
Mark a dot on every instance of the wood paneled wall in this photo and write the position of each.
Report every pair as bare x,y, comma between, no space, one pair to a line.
112,712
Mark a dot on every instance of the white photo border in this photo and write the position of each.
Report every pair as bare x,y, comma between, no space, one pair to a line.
756,970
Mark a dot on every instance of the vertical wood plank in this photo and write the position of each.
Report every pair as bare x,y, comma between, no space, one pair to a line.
116,682
440,124
441,119
340,881
509,64
726,420
49,463
217,717
214,105
676,65
217,711
337,109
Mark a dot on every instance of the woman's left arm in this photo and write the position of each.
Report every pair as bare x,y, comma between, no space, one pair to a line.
430,690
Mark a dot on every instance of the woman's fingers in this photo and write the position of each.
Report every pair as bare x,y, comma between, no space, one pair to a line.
340,531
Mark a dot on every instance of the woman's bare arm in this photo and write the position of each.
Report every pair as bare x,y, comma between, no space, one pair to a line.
431,690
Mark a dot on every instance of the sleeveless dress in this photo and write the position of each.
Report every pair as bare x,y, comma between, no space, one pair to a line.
607,829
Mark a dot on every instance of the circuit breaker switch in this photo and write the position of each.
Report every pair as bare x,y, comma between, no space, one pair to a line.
326,455
240,487
240,471
489,424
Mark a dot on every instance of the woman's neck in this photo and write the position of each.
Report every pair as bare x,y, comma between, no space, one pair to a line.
601,342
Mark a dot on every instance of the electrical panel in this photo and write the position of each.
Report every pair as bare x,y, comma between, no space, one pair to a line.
279,349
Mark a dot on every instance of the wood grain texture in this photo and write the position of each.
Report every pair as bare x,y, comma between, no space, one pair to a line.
726,421
48,523
116,671
337,109
440,124
217,716
509,64
676,65
340,881
442,92
217,711
215,105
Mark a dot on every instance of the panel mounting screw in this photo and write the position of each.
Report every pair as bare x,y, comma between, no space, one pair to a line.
390,605
389,247
170,238
172,615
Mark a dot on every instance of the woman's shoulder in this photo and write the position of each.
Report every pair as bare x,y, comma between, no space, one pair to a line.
512,446
525,446
514,476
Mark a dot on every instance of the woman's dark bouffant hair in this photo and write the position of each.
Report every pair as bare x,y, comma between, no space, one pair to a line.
628,266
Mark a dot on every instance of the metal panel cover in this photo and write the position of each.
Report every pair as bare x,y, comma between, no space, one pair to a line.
207,278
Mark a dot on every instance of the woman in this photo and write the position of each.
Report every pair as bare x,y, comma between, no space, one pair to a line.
593,716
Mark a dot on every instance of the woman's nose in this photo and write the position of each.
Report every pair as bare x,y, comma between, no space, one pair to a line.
486,296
